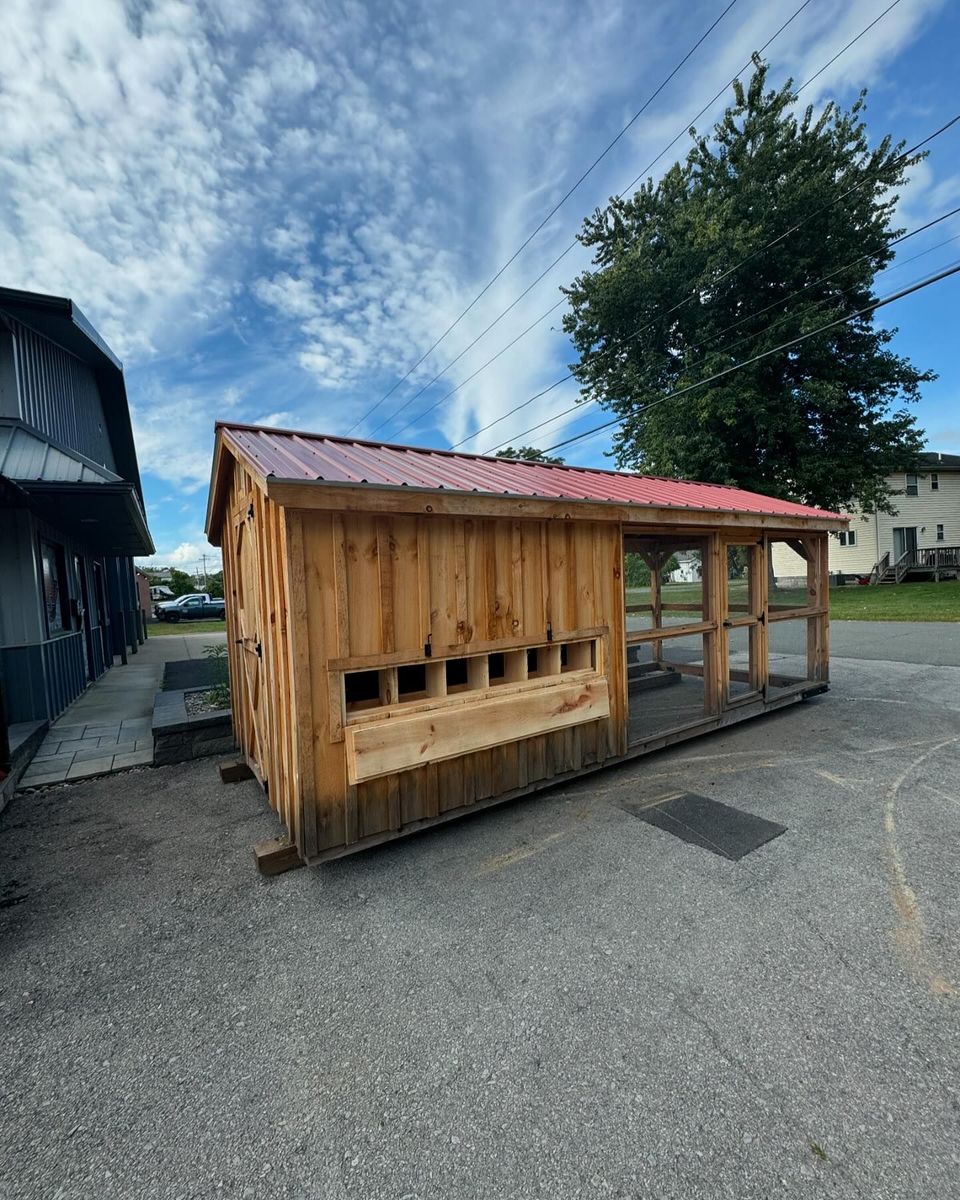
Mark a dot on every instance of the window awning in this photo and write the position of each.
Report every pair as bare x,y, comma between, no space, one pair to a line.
71,492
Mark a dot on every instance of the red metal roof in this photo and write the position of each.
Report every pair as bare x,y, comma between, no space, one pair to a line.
314,457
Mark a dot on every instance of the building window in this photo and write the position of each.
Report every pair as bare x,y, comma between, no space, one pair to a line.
934,482
56,599
849,538
913,485
939,533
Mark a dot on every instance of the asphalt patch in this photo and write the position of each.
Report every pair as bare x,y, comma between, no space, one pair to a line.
719,828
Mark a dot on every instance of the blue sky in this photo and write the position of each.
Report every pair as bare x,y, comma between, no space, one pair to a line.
271,209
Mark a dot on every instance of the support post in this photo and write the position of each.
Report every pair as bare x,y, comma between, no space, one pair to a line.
818,627
122,620
714,647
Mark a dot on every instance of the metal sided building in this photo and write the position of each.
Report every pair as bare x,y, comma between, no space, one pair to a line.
416,633
71,507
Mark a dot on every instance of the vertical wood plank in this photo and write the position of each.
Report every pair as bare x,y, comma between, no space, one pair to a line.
302,695
363,583
460,578
516,579
386,555
443,584
410,618
478,585
532,571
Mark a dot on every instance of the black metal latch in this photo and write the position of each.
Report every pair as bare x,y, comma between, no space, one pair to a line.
259,649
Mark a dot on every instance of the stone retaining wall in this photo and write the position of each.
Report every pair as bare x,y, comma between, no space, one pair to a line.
179,737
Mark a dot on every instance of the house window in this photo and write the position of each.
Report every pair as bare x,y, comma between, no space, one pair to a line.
56,599
849,538
913,485
934,482
939,533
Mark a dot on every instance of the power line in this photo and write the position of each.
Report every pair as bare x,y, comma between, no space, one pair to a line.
563,199
870,308
852,42
751,316
724,275
546,271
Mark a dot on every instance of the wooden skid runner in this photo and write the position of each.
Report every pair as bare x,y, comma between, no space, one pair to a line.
401,743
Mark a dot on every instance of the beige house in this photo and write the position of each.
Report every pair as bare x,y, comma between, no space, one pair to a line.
927,520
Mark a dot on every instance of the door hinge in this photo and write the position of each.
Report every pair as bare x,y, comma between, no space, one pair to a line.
250,512
259,650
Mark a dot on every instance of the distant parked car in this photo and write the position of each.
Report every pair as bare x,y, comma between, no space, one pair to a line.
199,606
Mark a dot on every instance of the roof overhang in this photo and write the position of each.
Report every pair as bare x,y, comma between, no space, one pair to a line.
71,492
106,517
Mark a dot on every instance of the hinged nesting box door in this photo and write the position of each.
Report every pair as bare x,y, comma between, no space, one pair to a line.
248,622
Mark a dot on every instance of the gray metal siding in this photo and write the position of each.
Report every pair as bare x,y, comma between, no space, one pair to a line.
59,395
21,614
42,675
25,685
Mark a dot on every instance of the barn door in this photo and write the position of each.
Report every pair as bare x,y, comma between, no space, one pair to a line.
250,642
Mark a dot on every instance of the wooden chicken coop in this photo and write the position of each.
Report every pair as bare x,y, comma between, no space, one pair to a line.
415,633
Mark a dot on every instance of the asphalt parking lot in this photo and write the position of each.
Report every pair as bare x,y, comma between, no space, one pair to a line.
551,999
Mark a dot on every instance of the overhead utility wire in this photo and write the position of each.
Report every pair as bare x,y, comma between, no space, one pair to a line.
546,271
439,375
730,346
907,291
563,199
736,266
853,41
749,317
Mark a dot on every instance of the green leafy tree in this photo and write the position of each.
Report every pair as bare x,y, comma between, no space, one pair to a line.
181,583
822,422
637,573
530,454
215,584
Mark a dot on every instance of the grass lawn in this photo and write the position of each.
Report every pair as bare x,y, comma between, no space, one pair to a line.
897,602
889,602
163,628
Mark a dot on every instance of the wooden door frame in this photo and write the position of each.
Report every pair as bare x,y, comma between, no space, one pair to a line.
755,620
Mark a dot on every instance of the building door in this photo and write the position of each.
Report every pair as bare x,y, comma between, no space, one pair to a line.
904,539
83,612
743,647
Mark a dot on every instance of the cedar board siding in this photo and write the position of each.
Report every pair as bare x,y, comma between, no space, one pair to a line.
330,586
